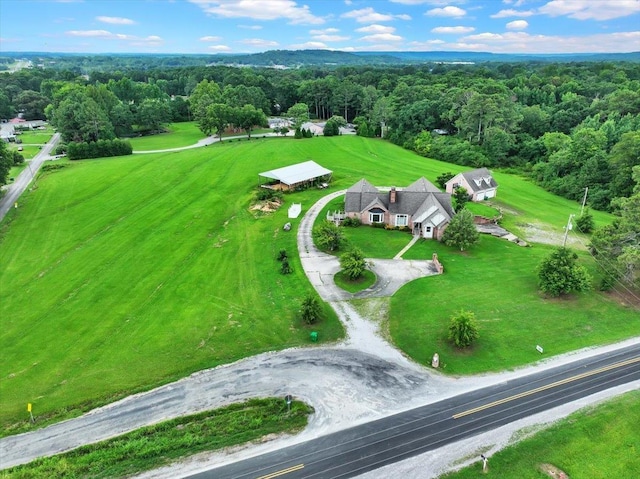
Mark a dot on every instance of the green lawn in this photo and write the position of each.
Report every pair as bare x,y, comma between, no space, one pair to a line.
497,281
600,442
180,134
483,209
121,274
28,151
124,273
367,279
36,137
166,442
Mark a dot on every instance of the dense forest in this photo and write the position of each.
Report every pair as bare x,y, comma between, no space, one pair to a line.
567,126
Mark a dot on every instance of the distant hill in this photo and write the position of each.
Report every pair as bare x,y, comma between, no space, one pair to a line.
86,63
292,58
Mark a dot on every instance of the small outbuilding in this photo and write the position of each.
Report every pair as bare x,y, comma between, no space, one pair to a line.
300,175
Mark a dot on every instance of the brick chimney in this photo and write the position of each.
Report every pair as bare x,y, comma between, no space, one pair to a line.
392,195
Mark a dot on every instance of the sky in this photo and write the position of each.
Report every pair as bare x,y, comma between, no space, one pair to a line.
250,26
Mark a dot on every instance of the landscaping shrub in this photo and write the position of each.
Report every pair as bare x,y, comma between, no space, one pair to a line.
98,149
265,194
351,222
310,310
463,329
285,267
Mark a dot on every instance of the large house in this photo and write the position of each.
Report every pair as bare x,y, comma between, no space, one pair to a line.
421,206
479,184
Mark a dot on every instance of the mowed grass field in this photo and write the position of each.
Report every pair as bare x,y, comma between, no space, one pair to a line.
600,442
124,273
179,134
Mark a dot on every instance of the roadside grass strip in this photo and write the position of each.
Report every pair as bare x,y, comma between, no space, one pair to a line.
599,442
161,444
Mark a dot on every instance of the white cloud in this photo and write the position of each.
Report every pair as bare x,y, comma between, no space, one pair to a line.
517,25
417,46
260,10
309,46
456,30
259,42
446,12
382,37
251,27
324,31
522,42
510,12
369,15
591,9
116,20
330,38
90,33
376,29
151,40
430,2
219,48
210,38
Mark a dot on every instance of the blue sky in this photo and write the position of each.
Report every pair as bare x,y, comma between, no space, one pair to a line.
248,26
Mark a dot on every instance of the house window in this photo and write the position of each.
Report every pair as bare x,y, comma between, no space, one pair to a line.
402,220
456,185
427,229
376,217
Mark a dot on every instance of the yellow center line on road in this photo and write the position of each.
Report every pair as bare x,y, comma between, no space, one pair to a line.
544,388
283,472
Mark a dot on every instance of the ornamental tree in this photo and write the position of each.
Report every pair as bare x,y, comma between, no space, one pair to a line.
353,263
461,231
559,274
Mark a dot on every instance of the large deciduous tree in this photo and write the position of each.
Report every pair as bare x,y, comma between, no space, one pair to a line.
152,114
6,162
618,245
299,113
247,117
218,117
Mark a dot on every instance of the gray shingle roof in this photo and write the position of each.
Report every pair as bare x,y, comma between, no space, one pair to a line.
416,199
480,179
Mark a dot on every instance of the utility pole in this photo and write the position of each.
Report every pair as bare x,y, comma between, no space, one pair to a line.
584,200
566,230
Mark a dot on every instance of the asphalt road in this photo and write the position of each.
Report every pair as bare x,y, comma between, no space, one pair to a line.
26,176
372,445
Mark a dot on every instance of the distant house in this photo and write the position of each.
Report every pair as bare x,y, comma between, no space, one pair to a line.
421,206
479,184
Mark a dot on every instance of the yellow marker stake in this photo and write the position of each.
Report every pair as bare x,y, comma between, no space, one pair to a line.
30,413
28,407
